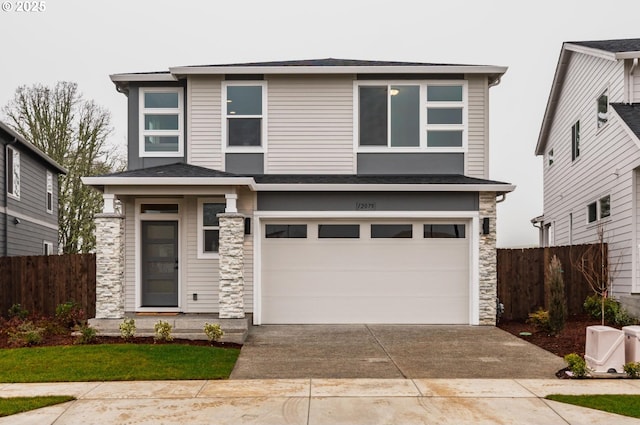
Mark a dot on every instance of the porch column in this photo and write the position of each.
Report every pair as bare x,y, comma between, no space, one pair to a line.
109,265
487,256
231,265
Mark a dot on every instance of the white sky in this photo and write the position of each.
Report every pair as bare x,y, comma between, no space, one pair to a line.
85,41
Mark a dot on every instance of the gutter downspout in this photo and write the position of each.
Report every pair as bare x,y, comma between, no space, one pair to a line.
504,197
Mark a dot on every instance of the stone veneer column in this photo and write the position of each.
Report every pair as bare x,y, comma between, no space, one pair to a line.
487,256
109,266
231,260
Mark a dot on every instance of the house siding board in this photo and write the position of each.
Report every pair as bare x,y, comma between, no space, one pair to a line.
569,186
477,146
310,125
27,238
204,134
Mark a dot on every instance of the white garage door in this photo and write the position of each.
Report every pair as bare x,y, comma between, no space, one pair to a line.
365,272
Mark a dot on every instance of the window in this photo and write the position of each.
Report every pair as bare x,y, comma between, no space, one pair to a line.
602,110
49,200
405,115
159,208
384,231
575,141
13,172
599,209
209,225
288,231
456,231
161,122
550,157
339,231
47,248
244,115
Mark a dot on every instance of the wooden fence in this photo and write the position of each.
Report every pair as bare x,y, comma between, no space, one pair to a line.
523,288
40,283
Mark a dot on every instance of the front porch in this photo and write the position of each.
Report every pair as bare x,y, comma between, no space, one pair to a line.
184,326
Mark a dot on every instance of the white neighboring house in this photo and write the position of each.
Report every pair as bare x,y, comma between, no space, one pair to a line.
590,140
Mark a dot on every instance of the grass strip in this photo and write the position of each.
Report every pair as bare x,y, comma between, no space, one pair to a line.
13,405
622,404
116,362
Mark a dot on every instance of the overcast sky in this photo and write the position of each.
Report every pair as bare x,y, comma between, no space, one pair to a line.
85,41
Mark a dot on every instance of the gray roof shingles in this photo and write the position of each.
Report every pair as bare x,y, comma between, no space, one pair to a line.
630,114
613,46
326,62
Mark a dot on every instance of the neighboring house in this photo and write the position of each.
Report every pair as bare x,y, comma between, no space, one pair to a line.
29,200
316,191
590,141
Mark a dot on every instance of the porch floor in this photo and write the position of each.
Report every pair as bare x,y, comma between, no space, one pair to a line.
187,326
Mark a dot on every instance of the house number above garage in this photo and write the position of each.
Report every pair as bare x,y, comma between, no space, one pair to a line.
365,206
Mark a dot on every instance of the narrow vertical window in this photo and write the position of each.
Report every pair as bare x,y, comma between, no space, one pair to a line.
244,115
603,110
209,227
49,200
47,248
161,116
575,141
13,172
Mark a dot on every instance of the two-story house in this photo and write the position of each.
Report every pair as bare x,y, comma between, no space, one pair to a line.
29,201
313,191
590,143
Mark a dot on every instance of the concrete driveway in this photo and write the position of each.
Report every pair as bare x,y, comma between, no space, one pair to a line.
390,351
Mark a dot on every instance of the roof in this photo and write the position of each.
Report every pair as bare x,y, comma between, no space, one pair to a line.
17,138
612,50
630,114
180,174
325,62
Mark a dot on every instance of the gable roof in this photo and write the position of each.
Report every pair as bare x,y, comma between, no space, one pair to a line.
17,138
630,114
606,49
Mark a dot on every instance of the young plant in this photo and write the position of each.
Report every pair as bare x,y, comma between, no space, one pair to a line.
17,311
70,314
213,331
162,331
577,365
632,369
128,328
557,301
26,334
540,319
87,335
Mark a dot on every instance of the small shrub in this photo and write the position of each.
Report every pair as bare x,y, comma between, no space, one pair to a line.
26,334
577,365
163,331
87,335
540,319
632,369
128,328
70,314
17,311
557,302
614,313
213,331
623,318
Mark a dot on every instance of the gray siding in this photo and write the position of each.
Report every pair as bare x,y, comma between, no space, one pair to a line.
410,163
27,238
245,163
134,161
377,201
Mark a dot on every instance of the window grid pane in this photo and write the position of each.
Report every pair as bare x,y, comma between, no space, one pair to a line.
405,116
244,131
244,100
160,100
286,231
339,231
373,115
444,93
605,207
456,231
385,231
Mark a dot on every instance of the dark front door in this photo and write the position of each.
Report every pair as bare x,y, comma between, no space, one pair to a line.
159,264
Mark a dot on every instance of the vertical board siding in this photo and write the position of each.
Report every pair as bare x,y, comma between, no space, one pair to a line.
310,125
569,186
476,161
204,144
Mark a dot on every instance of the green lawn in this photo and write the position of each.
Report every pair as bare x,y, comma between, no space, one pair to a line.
628,405
13,405
116,362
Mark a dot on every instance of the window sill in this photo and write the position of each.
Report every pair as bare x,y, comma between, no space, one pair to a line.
161,154
244,149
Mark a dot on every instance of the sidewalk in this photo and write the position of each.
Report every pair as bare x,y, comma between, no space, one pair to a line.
320,401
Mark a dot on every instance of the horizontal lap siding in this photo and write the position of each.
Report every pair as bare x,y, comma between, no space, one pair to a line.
247,205
310,125
476,165
570,186
204,122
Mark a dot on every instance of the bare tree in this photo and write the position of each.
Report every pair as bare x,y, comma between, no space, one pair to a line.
73,131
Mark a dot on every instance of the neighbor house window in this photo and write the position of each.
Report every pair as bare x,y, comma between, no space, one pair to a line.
550,157
406,115
49,200
599,209
575,141
603,109
13,172
47,248
209,225
244,111
161,122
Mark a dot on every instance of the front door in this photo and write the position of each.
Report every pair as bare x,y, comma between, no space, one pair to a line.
159,264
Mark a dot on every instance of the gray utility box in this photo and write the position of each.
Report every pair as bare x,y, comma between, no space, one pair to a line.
631,343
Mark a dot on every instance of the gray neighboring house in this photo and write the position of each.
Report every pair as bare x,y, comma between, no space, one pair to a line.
29,199
313,191
590,142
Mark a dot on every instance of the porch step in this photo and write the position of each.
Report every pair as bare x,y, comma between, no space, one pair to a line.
185,326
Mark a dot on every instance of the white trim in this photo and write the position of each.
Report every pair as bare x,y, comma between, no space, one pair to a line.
474,272
24,217
603,54
635,255
49,245
201,255
389,69
138,218
168,181
142,77
142,132
598,210
15,164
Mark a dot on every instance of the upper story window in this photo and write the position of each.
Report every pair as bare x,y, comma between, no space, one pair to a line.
49,198
13,172
244,106
575,141
411,115
161,122
599,209
603,110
